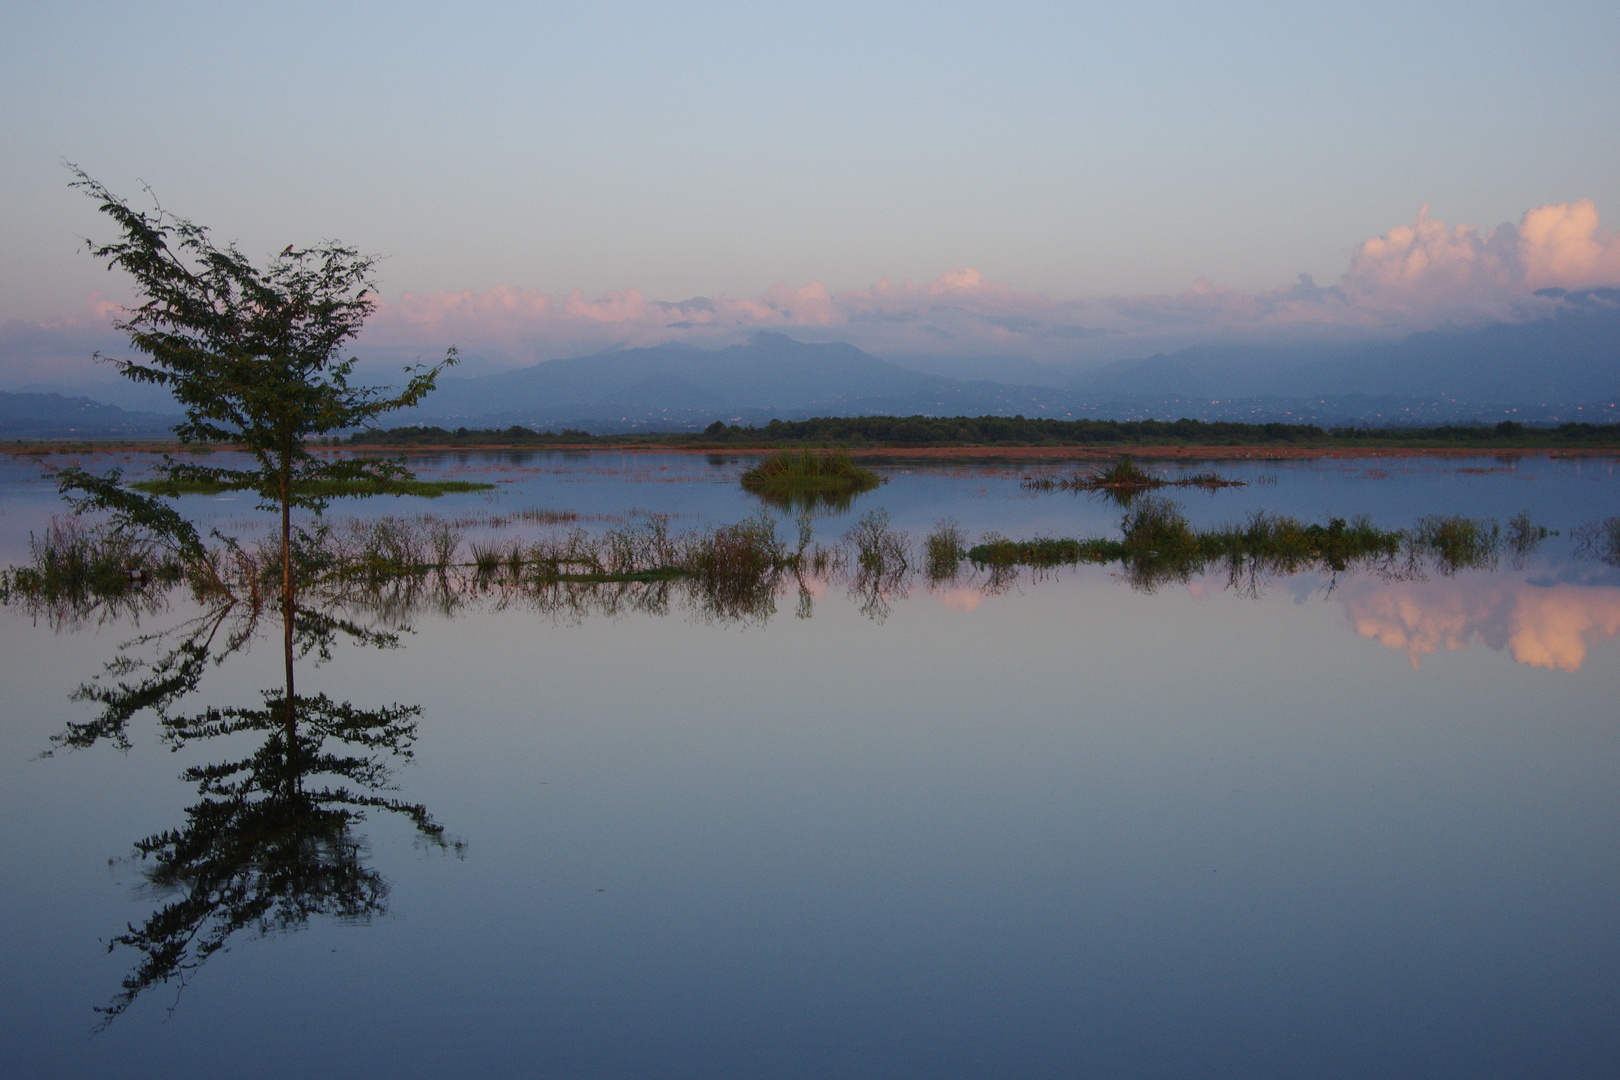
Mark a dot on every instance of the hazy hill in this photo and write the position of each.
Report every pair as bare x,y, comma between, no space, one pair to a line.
679,385
1573,357
1535,371
54,416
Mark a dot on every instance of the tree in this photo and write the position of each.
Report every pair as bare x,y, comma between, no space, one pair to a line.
254,357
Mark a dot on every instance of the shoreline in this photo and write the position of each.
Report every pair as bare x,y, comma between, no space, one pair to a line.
893,453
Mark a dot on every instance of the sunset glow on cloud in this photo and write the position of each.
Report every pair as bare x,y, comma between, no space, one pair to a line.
1417,276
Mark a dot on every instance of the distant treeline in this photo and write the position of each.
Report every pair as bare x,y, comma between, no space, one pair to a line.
919,431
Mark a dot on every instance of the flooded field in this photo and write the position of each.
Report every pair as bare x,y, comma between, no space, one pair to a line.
615,769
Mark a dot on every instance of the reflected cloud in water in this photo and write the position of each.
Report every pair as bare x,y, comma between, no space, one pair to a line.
1543,626
960,599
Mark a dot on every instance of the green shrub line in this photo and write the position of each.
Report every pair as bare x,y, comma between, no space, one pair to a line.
904,432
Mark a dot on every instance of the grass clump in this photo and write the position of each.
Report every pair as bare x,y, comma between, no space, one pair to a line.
1125,479
808,477
943,550
996,550
1458,542
75,559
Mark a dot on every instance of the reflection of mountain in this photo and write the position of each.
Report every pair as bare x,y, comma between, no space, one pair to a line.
1546,626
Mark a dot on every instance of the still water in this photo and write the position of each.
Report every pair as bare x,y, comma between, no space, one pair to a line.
1334,825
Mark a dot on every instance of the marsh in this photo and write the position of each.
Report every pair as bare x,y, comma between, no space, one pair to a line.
849,804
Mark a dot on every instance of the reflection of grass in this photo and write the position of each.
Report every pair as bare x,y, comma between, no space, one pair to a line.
994,550
76,559
943,549
1158,545
427,489
1599,540
1459,542
1125,479
804,479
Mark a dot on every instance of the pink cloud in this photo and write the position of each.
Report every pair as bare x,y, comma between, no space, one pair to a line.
1415,276
1542,626
1418,276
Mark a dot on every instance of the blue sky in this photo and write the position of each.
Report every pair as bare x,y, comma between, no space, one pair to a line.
1065,151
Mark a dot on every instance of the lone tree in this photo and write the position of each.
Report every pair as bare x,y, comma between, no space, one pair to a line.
254,356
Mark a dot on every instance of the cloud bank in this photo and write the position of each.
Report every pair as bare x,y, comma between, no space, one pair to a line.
1420,276
1415,277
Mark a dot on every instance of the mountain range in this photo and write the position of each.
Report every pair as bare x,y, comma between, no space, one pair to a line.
1559,368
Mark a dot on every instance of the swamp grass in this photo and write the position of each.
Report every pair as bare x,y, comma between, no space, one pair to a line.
1157,545
804,479
1125,479
81,568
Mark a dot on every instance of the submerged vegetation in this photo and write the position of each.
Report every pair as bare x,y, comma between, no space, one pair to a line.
803,479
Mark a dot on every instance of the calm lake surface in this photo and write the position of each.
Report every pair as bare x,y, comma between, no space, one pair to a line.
1048,826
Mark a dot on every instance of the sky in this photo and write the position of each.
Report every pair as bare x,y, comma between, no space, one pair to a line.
1051,181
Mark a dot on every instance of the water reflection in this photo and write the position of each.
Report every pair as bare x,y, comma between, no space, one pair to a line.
1544,626
270,842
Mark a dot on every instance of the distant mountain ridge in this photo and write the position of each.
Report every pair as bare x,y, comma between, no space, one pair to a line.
1550,370
677,385
1571,358
55,416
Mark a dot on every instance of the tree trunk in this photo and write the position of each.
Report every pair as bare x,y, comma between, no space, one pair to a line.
287,597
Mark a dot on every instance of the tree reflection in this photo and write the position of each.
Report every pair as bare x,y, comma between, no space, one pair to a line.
270,842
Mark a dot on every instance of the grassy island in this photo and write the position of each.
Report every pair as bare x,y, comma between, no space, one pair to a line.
792,477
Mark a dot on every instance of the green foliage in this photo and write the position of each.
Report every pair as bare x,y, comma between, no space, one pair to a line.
254,356
996,550
76,564
1458,542
943,550
805,478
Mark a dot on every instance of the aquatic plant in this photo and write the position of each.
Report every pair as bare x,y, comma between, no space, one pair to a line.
943,550
1458,542
805,479
997,550
1124,480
